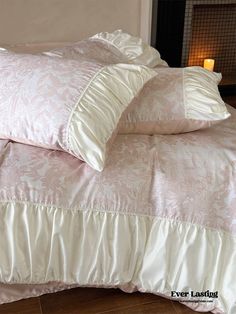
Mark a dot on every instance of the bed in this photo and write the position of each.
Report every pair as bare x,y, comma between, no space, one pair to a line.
166,202
159,218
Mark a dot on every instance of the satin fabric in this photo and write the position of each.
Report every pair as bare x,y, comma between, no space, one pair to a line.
115,250
63,104
176,101
109,48
134,49
160,217
94,120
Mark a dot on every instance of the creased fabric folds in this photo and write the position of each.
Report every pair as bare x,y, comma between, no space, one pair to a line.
49,244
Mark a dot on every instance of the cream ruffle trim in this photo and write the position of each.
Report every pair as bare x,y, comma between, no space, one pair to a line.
133,48
202,99
97,113
41,244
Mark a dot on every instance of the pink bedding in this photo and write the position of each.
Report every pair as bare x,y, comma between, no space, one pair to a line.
63,104
161,217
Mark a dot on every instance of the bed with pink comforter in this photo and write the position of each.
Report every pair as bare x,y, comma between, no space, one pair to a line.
160,218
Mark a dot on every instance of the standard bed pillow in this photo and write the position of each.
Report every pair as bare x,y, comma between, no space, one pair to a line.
65,104
114,47
177,100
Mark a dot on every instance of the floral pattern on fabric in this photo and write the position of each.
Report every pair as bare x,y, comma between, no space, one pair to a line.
189,177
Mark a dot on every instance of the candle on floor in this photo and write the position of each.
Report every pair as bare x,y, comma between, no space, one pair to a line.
209,64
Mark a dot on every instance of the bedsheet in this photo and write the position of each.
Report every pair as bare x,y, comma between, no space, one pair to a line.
160,218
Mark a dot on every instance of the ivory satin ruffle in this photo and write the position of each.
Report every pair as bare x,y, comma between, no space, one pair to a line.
176,101
93,121
134,49
41,244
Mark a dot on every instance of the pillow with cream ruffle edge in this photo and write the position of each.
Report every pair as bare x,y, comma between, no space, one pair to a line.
66,105
133,48
110,48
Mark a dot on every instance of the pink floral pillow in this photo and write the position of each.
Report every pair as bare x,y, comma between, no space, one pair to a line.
176,101
63,104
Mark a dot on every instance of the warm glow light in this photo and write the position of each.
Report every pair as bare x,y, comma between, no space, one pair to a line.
209,64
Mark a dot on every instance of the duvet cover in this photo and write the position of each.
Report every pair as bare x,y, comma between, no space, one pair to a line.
160,218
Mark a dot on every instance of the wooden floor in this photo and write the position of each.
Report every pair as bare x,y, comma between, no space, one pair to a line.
95,301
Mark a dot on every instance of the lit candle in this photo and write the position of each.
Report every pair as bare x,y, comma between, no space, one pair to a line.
209,64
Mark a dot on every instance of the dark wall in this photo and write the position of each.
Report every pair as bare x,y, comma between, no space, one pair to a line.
167,36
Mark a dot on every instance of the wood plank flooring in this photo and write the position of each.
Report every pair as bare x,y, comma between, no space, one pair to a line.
95,301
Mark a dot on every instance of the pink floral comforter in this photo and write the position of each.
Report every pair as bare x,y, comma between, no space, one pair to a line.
161,217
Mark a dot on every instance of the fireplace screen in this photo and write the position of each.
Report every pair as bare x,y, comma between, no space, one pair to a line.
210,32
214,36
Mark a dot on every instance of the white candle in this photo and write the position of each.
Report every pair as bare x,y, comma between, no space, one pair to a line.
209,64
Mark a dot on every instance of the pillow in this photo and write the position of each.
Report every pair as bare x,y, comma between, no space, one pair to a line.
112,48
63,104
176,101
94,50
